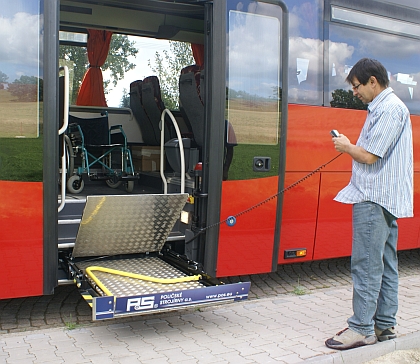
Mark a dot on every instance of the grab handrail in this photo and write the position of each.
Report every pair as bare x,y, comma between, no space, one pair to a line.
61,131
181,150
66,100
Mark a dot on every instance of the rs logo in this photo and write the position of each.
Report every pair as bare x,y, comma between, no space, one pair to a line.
140,303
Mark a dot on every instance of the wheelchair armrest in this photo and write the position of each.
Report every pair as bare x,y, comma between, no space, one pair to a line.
121,131
113,127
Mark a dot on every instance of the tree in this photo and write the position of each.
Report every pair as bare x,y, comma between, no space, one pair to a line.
3,79
117,61
125,99
27,88
345,99
168,68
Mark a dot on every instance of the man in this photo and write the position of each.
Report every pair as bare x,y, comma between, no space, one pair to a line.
381,190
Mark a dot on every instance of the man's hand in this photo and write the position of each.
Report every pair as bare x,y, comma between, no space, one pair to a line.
343,145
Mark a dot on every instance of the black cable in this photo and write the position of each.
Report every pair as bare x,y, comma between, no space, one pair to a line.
264,201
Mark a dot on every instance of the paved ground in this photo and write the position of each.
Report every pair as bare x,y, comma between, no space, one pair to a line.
286,320
398,357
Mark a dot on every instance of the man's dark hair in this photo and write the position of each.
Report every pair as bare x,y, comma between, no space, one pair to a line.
367,67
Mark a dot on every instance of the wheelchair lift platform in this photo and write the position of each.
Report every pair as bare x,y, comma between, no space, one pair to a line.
122,267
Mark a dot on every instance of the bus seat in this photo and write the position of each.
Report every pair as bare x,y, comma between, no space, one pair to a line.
191,96
150,132
190,85
194,68
153,105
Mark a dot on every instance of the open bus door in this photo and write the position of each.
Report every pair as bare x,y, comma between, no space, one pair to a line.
248,60
116,249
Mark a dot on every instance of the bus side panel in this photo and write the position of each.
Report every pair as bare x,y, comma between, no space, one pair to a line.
309,142
311,218
309,146
247,247
409,229
300,206
21,239
334,230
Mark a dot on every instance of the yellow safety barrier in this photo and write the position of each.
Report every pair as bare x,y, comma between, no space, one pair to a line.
89,272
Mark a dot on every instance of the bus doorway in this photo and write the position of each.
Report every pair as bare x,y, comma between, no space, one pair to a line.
256,110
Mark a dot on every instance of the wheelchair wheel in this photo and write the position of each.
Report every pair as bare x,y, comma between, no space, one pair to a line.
113,183
70,156
75,184
129,186
69,159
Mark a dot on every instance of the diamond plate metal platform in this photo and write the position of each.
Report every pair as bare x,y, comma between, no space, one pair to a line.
127,224
149,266
137,224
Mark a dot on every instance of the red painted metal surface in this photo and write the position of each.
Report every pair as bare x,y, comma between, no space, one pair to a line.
299,216
247,247
21,239
311,219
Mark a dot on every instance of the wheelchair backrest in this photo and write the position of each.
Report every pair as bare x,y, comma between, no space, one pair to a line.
95,130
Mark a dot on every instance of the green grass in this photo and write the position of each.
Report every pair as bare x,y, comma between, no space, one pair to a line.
243,156
21,159
299,290
70,324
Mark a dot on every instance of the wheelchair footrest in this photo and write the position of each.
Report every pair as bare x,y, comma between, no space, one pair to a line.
130,177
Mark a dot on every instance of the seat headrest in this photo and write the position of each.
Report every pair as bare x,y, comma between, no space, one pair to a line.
196,70
154,81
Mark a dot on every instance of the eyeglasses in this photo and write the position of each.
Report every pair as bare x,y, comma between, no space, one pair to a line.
356,87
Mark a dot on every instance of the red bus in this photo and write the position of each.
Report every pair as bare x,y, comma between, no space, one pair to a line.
252,116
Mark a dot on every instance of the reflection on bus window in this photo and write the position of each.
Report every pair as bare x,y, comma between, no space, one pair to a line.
21,90
20,76
253,77
347,45
305,47
253,85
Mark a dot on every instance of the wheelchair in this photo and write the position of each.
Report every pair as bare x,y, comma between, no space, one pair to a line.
100,152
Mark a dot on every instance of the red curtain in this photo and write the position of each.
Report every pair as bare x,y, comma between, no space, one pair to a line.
198,54
91,92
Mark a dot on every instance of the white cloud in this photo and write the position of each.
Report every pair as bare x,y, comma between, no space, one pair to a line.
20,39
253,54
381,44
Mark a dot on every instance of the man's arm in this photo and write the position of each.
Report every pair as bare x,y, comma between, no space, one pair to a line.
359,154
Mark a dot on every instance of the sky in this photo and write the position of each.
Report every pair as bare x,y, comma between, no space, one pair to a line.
20,48
147,50
20,31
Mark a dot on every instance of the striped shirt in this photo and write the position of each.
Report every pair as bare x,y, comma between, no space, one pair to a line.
389,181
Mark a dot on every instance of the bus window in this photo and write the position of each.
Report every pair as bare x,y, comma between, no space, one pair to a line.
253,92
253,85
347,44
21,90
130,58
306,46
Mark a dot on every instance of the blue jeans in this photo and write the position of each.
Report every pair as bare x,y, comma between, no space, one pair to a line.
374,268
